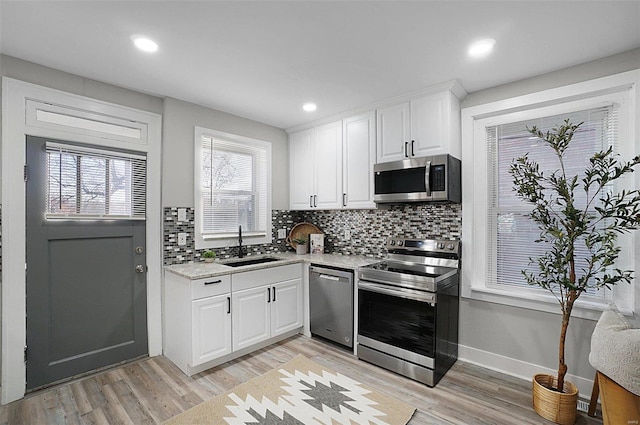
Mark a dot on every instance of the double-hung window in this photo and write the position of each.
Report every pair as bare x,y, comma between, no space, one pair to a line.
512,234
498,238
232,189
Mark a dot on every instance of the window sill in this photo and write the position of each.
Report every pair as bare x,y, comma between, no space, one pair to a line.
584,308
235,236
231,241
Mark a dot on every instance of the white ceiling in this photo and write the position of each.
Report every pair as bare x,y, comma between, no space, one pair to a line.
263,59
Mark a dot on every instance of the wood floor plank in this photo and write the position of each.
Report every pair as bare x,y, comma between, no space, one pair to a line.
150,391
80,397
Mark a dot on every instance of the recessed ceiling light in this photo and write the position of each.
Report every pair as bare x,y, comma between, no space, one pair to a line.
309,107
481,48
144,43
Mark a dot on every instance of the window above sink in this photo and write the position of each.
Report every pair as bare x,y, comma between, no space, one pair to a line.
232,187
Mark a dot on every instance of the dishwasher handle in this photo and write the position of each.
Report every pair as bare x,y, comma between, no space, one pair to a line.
331,274
329,277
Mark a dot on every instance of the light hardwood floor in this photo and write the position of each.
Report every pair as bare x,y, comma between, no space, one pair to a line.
152,390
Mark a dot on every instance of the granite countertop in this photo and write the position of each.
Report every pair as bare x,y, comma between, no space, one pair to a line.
201,270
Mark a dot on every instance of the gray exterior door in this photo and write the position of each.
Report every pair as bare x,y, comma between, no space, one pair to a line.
86,303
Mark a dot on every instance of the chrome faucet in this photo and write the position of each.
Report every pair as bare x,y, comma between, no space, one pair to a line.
240,249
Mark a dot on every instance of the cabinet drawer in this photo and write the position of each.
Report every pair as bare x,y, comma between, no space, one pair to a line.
267,276
218,285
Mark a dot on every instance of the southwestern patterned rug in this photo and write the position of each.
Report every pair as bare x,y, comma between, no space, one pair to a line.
300,392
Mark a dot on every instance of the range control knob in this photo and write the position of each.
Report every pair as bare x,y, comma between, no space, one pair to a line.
450,247
400,242
440,245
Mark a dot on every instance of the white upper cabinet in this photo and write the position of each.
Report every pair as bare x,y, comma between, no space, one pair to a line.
428,125
315,168
327,161
393,131
359,155
301,170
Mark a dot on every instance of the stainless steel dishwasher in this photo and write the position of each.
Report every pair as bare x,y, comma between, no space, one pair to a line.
331,304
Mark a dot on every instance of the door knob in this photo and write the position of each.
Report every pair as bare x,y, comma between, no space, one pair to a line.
139,268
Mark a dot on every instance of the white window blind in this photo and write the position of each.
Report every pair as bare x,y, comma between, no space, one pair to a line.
87,183
511,233
234,182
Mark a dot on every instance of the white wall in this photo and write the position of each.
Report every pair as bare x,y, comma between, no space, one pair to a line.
178,133
530,336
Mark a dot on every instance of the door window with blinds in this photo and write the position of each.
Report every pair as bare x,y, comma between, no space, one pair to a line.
88,183
233,181
512,234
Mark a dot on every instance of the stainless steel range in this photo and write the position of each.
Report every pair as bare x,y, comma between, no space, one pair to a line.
408,309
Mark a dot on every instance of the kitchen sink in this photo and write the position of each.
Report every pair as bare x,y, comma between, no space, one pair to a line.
251,261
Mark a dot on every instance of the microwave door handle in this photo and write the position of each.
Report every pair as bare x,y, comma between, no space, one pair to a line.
427,175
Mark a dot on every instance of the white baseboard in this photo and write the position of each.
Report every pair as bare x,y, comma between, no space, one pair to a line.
518,368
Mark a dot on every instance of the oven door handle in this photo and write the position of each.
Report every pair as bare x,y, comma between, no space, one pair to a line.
403,293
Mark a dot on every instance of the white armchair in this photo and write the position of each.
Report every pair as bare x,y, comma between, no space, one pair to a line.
615,354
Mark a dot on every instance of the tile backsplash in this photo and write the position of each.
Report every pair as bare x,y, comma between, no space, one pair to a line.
368,229
176,254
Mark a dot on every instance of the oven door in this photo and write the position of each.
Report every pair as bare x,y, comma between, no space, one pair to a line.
397,321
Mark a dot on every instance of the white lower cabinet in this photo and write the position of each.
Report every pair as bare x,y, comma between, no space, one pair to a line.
269,310
211,320
251,314
286,307
207,321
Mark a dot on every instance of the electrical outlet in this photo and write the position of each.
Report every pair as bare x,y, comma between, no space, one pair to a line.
347,234
282,233
182,214
182,239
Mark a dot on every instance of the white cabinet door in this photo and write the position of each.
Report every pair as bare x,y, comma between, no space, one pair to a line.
250,317
393,132
359,155
301,170
327,162
286,307
211,328
429,125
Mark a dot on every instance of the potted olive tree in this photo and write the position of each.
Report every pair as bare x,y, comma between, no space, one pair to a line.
566,225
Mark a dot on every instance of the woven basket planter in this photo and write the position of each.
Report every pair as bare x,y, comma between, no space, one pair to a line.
559,407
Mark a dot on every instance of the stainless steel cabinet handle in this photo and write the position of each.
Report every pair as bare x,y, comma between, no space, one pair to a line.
228,305
405,149
315,200
310,201
412,153
268,295
139,268
344,199
274,293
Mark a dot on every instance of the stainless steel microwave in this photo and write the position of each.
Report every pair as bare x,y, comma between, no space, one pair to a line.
430,178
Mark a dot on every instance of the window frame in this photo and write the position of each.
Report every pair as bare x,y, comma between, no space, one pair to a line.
620,88
137,182
222,241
